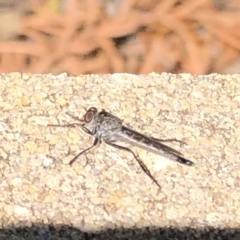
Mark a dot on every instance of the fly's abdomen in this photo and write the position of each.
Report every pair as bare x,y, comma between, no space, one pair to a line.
142,141
184,161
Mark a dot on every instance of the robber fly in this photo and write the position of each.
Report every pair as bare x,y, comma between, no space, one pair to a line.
109,129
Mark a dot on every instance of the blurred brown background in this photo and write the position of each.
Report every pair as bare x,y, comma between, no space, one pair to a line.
107,36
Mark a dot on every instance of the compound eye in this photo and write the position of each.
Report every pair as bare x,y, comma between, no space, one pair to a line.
90,115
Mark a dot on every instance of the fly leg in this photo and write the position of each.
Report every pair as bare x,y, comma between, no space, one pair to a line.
71,125
96,142
142,165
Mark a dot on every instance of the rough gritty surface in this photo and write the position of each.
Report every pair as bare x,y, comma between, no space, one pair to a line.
38,186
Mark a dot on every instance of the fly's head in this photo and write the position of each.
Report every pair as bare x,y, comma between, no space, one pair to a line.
90,119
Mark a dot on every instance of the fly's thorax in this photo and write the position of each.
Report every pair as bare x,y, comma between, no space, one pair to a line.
108,128
109,124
